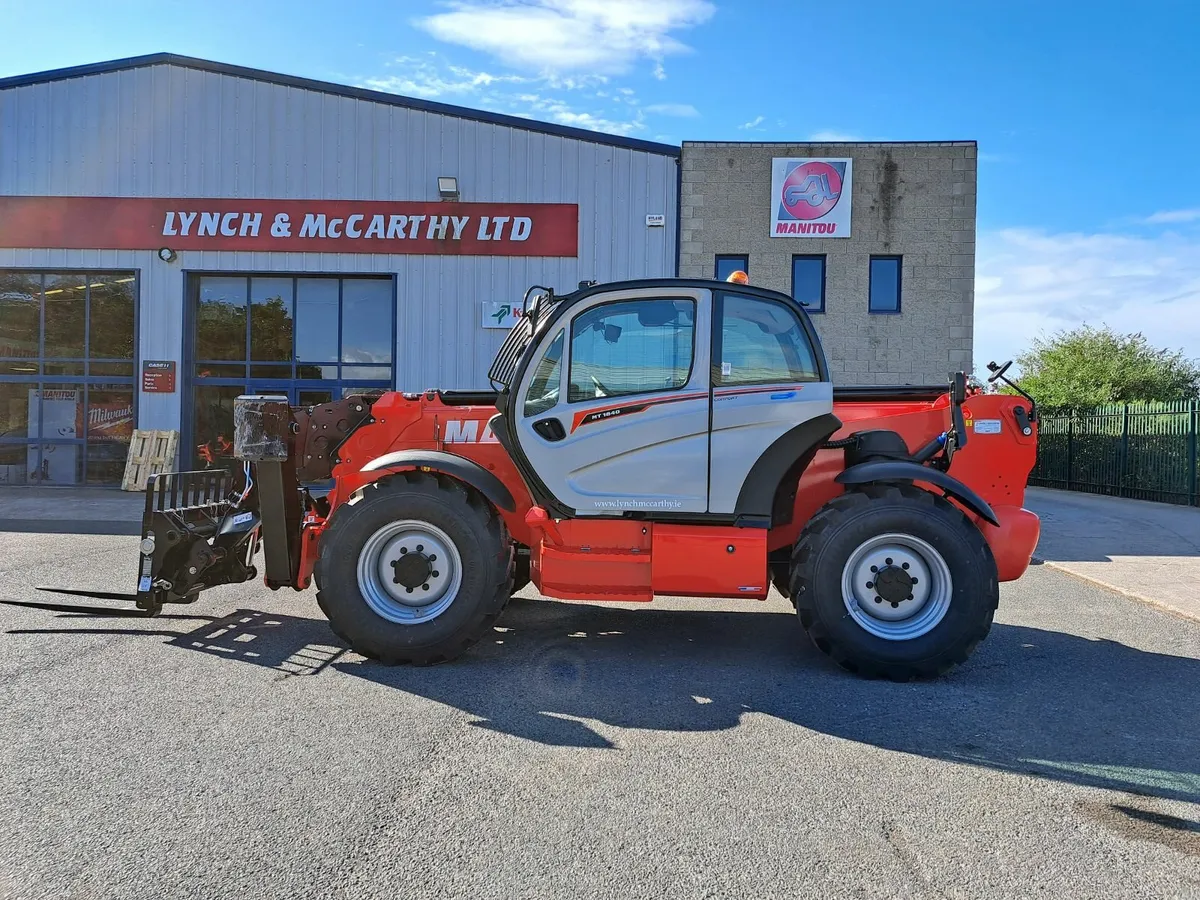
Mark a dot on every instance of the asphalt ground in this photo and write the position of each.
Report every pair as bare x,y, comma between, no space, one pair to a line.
688,748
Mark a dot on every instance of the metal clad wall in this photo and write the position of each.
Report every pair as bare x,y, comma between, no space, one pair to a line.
171,131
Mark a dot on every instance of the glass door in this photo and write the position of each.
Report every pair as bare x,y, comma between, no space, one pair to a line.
312,339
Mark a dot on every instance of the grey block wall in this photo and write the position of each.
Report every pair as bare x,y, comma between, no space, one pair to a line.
916,200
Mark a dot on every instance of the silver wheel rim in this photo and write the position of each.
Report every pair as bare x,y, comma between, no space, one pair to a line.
896,587
409,572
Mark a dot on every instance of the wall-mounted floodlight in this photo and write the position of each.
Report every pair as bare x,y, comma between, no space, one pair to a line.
448,187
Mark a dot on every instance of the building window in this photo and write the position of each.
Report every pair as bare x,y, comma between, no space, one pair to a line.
884,284
631,347
727,264
808,282
312,339
761,342
67,407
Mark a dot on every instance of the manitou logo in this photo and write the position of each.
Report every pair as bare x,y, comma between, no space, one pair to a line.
814,191
811,190
811,197
467,431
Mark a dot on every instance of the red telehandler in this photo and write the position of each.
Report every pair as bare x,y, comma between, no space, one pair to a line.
666,436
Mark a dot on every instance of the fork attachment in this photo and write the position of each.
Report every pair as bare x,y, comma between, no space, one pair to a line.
199,530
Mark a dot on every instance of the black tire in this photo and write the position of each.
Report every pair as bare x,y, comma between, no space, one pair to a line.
841,527
482,544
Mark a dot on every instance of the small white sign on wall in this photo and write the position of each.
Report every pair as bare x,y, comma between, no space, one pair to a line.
656,221
500,315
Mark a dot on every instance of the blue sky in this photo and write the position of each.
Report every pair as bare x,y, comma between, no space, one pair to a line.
1087,113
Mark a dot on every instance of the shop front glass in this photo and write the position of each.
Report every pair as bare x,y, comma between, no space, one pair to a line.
312,339
67,402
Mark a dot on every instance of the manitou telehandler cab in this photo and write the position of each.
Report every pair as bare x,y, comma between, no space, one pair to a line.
667,436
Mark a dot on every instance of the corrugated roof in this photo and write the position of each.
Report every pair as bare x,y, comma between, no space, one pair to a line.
341,90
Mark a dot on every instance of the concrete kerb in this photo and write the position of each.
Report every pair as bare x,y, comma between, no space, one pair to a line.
1145,551
1117,589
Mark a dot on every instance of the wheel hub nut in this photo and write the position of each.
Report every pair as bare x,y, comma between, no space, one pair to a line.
893,584
411,570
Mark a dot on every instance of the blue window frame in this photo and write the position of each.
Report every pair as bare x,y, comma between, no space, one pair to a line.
68,355
884,287
312,338
728,263
808,282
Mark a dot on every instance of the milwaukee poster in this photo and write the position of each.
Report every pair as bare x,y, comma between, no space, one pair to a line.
811,197
324,226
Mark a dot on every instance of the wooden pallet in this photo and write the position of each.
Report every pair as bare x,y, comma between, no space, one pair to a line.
150,452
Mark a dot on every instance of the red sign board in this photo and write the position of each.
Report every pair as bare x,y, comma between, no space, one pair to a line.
325,226
158,376
110,421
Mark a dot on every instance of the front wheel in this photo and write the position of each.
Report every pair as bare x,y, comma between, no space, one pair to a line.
893,581
414,568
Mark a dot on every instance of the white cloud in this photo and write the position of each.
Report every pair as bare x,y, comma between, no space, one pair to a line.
603,36
832,136
683,110
432,77
1173,216
752,124
1031,282
426,78
559,111
659,72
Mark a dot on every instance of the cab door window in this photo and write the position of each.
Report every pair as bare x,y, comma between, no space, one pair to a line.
543,389
631,347
761,342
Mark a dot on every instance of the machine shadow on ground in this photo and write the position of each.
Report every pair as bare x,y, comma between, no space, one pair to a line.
1045,703
1040,702
288,644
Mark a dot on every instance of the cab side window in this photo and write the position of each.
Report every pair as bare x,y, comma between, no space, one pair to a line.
543,389
761,342
631,347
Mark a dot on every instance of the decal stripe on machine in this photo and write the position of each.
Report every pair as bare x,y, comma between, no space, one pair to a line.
626,409
722,393
630,407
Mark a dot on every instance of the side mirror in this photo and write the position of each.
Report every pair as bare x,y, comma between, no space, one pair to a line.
998,375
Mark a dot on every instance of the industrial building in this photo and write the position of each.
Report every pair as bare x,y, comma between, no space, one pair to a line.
876,239
225,230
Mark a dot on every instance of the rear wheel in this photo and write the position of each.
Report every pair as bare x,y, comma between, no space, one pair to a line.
893,581
414,568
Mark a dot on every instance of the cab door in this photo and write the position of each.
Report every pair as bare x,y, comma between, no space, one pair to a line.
612,415
766,381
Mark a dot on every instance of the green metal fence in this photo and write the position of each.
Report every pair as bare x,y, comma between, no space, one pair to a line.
1146,451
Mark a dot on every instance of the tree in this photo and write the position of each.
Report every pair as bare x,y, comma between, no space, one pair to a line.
1089,366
